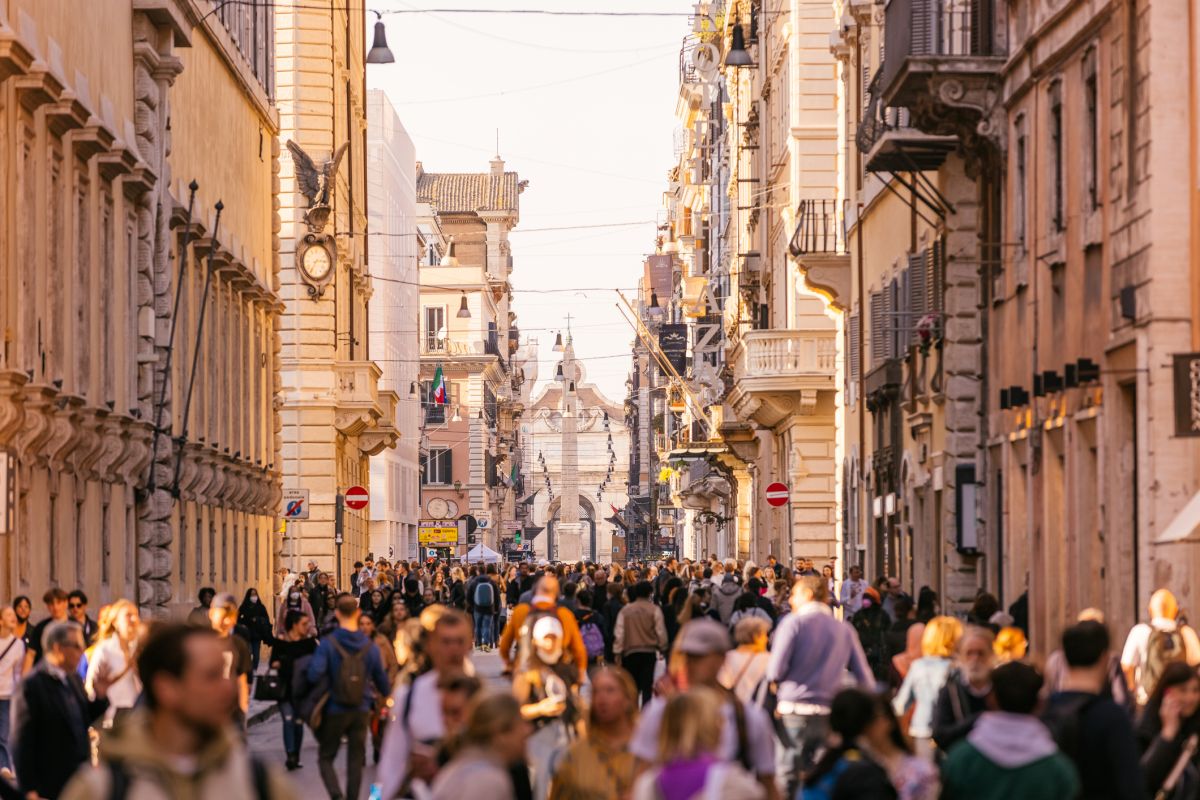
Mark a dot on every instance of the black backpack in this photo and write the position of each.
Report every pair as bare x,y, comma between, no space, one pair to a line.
350,683
1065,723
119,780
485,594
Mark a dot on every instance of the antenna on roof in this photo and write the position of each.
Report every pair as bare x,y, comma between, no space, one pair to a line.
497,142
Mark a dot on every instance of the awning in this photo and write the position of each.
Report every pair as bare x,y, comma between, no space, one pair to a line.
482,553
1186,524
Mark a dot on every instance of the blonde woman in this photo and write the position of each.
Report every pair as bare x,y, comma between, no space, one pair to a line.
688,742
600,766
492,742
112,661
925,679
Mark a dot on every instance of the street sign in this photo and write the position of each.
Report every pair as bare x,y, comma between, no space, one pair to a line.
357,498
482,522
295,503
512,525
777,494
430,552
437,533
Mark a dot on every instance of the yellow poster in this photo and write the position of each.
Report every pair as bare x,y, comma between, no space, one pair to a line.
437,535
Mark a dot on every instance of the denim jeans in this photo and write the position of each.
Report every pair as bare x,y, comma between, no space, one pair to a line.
5,709
483,627
293,728
806,735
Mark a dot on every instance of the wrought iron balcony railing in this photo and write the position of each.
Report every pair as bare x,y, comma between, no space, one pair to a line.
820,228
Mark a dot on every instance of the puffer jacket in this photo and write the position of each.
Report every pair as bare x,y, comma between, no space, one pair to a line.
223,769
724,596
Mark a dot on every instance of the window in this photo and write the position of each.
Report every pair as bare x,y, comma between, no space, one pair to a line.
436,467
1091,144
431,254
435,322
1056,155
1018,209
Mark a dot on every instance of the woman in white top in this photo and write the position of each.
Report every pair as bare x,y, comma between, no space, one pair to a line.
113,658
746,666
12,658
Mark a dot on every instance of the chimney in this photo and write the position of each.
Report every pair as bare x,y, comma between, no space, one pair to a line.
497,166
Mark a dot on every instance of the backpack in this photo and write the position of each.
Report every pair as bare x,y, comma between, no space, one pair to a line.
525,650
350,684
1162,648
119,780
593,637
485,594
1065,722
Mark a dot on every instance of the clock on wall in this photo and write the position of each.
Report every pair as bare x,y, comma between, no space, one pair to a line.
451,509
315,257
437,508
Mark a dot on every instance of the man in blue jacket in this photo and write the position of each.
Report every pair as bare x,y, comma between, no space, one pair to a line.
351,664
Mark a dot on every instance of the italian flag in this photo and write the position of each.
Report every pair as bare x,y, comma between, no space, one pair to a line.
439,388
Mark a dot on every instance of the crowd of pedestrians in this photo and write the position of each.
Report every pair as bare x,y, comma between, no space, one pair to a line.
659,681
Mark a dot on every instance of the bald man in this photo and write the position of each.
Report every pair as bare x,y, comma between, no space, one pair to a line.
1152,645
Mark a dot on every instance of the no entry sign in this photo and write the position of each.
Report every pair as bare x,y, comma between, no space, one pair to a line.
777,494
357,498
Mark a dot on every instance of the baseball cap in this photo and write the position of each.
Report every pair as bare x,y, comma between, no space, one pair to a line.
703,637
225,600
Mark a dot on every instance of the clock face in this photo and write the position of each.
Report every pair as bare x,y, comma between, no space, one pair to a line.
437,508
451,509
317,262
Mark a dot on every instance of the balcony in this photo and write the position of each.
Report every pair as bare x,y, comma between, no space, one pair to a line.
356,387
889,142
780,373
819,247
941,64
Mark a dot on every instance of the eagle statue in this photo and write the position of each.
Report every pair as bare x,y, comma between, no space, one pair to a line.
315,184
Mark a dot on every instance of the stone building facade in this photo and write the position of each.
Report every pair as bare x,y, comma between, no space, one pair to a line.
333,411
392,196
110,261
468,329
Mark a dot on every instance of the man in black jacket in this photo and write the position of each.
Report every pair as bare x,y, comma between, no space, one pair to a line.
51,715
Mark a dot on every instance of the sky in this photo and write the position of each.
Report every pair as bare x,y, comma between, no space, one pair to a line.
584,107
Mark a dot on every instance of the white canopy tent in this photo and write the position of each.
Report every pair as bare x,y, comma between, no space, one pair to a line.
480,554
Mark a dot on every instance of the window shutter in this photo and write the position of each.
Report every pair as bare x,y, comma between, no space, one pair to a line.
922,29
937,272
424,469
916,293
877,329
855,340
447,466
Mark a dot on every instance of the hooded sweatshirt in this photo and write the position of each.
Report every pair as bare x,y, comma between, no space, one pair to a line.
328,661
221,769
1008,756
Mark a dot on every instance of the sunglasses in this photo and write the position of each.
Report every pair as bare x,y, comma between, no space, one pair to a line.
74,605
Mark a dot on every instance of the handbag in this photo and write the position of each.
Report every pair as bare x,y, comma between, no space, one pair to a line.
269,686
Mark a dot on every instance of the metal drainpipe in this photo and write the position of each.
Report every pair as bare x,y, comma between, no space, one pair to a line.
862,377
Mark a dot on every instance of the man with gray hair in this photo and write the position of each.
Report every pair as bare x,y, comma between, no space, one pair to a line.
52,713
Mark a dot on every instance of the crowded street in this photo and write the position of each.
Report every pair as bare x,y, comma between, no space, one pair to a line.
599,399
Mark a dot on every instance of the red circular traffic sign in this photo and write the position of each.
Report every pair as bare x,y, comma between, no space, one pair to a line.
357,497
778,494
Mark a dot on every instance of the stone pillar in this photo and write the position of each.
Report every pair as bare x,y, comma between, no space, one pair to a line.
963,387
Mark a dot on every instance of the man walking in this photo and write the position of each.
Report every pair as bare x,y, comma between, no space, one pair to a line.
199,614
1010,753
222,618
351,664
1089,728
416,726
545,602
1151,646
51,714
77,603
809,658
56,604
853,590
639,636
179,744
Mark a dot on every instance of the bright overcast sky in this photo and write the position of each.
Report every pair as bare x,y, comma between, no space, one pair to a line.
585,110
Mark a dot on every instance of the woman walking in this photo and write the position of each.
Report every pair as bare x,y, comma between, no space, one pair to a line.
600,766
925,679
745,666
297,642
253,616
688,767
12,659
113,659
493,741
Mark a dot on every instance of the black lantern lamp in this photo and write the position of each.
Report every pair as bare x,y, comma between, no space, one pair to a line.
380,53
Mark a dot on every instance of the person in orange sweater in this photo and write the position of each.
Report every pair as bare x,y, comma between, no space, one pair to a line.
545,600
